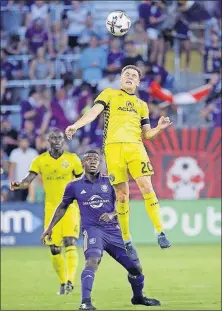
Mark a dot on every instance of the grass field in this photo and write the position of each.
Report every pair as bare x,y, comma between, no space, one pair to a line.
182,278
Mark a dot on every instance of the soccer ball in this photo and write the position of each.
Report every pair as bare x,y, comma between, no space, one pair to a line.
118,23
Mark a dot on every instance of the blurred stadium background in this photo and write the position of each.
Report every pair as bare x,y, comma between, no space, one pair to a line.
48,80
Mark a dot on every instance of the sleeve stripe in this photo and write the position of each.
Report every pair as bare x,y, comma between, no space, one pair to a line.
101,102
32,171
145,121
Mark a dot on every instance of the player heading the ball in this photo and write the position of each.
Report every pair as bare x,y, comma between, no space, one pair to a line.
126,120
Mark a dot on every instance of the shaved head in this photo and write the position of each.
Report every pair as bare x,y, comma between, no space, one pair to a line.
56,139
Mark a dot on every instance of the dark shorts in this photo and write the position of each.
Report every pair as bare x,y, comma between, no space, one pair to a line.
97,240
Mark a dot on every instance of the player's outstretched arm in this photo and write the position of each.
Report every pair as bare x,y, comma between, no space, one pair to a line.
87,118
23,184
150,133
58,214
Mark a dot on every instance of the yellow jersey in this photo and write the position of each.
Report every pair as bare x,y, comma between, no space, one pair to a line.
56,174
124,115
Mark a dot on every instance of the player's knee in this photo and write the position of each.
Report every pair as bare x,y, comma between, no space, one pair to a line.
139,268
122,196
55,250
135,269
93,262
122,193
145,184
69,241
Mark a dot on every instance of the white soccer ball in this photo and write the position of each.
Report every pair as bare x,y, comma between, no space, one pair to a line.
118,23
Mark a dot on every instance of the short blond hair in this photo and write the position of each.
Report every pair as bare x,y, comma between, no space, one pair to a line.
132,67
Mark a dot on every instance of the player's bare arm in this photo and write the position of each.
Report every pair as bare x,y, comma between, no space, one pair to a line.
150,133
87,118
23,184
59,213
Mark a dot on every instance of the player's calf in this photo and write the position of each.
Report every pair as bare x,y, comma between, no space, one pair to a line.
87,280
71,262
59,267
137,283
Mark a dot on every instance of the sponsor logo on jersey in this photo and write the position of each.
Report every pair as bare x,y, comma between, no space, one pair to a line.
55,178
96,201
129,107
104,188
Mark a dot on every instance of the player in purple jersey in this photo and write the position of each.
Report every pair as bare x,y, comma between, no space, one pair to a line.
101,232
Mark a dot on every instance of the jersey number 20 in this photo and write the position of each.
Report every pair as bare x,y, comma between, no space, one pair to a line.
146,167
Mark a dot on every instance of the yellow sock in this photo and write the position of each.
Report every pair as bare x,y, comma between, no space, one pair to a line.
59,266
123,217
153,210
71,261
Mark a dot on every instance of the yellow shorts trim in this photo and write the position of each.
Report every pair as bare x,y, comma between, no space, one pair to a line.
125,158
68,226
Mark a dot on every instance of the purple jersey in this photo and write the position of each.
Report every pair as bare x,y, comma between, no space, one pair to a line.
182,29
29,105
215,98
94,199
217,113
144,13
8,68
143,88
157,13
36,38
212,60
160,71
115,58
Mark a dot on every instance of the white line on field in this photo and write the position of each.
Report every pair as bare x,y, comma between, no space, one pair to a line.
116,303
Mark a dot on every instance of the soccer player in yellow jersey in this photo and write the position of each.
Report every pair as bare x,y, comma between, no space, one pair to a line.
126,119
57,168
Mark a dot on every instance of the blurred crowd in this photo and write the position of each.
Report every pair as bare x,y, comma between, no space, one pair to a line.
50,40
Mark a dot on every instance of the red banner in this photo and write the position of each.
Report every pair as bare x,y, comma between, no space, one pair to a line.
187,164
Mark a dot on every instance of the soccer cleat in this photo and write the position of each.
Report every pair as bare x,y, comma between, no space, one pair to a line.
62,289
145,301
131,251
68,288
163,241
87,305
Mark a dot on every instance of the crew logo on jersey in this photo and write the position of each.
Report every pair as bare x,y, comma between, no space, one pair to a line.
129,107
104,188
112,178
65,164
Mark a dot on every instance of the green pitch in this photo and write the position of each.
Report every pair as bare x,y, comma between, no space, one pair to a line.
182,278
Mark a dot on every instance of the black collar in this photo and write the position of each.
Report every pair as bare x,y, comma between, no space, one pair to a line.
127,92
